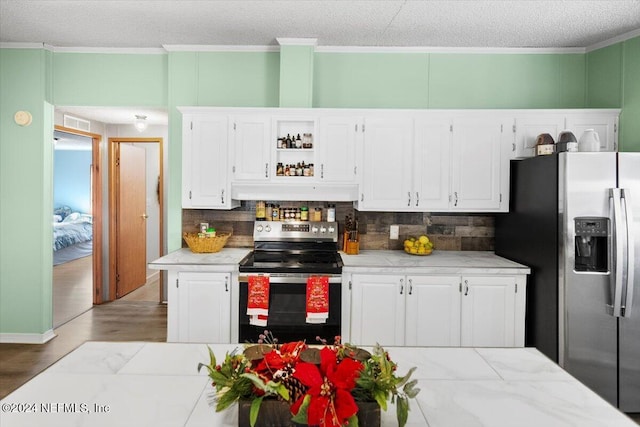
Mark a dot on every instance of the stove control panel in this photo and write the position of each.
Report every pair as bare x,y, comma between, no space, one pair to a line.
298,230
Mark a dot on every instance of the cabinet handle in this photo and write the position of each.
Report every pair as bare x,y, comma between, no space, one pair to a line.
362,197
410,286
226,285
322,171
409,202
417,198
466,288
401,286
266,170
222,196
455,195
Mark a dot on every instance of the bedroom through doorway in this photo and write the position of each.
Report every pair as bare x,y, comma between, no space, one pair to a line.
73,223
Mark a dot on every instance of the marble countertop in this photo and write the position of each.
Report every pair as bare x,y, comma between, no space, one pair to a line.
183,259
439,262
157,384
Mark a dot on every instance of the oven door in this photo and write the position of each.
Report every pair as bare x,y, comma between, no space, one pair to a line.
287,310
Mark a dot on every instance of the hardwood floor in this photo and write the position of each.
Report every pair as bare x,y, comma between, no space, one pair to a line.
72,289
121,320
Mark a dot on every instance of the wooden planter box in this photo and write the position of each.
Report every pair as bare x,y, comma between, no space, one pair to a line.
275,413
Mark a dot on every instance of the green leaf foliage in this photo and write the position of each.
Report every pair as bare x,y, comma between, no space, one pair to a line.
301,416
255,409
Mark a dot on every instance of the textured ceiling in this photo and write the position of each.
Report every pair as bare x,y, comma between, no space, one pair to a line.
416,23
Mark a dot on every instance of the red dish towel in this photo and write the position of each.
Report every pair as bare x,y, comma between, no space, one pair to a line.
317,299
258,300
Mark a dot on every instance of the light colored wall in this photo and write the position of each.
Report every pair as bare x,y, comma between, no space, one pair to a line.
72,179
26,187
32,78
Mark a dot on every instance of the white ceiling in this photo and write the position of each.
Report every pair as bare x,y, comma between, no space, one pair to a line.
334,23
423,23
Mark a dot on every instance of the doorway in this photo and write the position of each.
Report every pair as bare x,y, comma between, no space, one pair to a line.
135,216
77,224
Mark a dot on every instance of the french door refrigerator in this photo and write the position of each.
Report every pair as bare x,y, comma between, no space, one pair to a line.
574,218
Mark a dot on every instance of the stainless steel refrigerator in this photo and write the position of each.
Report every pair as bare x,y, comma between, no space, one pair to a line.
574,218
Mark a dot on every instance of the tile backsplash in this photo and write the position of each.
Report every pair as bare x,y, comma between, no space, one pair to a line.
448,231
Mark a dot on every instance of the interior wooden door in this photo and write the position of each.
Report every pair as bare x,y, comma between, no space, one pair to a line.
131,256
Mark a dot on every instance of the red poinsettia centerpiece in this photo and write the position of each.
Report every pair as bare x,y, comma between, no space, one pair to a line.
322,385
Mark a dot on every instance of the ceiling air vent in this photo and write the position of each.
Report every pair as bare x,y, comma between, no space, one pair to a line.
76,123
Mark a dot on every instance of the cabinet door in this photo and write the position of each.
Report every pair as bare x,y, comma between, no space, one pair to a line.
377,309
605,125
204,162
431,165
204,307
386,167
251,147
337,148
527,129
433,311
476,166
488,311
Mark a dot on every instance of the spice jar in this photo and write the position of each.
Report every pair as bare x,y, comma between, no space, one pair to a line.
304,213
275,213
269,212
317,214
260,211
331,213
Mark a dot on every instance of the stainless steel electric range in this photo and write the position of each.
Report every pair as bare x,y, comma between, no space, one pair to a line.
289,253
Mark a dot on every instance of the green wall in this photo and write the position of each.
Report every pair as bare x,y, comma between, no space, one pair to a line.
422,80
26,163
613,81
30,79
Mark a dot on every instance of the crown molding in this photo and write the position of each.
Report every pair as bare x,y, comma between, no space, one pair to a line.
219,48
114,50
613,40
471,50
288,41
19,45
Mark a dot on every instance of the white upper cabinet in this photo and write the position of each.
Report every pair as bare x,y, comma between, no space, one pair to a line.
337,139
606,125
477,167
205,179
387,164
528,127
250,147
431,164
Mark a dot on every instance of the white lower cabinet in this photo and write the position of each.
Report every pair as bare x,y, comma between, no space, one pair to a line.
437,310
199,307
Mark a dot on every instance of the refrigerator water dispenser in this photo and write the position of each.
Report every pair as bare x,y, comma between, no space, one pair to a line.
591,244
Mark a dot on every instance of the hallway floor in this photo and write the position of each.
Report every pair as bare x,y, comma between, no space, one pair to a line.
121,320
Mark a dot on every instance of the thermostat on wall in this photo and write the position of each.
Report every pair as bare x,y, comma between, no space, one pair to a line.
23,118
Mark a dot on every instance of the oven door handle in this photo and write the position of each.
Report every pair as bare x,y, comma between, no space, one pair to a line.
300,280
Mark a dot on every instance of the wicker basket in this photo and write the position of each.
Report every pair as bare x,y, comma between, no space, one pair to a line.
206,244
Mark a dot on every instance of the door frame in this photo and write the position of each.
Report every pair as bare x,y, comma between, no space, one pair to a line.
96,207
112,146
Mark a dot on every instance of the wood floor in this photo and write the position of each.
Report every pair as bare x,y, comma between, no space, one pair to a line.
72,289
126,319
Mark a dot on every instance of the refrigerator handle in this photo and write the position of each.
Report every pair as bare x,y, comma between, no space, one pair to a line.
630,261
617,253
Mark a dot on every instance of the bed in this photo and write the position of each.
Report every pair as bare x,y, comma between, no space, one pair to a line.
72,235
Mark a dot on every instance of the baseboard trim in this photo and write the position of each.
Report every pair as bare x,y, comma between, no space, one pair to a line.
153,276
6,338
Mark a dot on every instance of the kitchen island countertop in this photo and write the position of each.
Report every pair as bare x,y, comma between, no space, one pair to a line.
157,384
439,262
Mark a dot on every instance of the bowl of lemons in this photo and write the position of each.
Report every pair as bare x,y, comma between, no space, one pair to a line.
418,245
